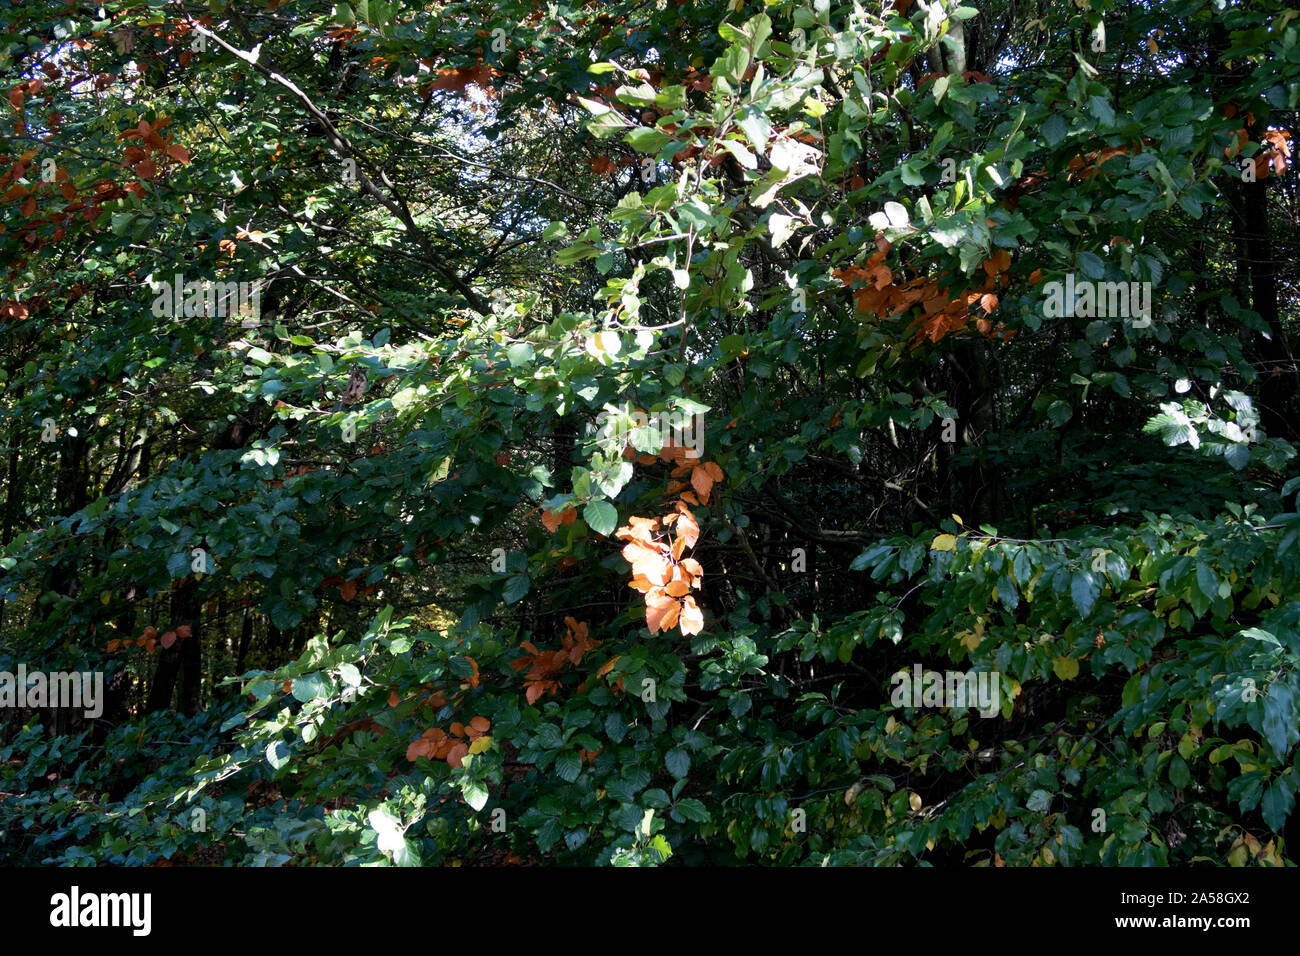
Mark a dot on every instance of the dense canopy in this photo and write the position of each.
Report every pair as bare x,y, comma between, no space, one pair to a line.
785,432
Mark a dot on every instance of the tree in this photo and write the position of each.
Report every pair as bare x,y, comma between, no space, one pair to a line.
542,431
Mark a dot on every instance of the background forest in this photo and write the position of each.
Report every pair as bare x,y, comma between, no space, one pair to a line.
521,432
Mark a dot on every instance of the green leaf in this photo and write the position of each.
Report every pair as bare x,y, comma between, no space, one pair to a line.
1092,265
1281,724
1179,775
615,727
1277,803
601,517
691,809
1084,589
678,762
277,754
569,766
521,353
646,140
311,687
516,587
475,794
1054,129
1101,108
1207,581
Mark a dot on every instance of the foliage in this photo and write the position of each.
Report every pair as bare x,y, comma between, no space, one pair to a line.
410,561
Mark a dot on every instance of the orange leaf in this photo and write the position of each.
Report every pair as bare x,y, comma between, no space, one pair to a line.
419,748
168,639
113,645
480,724
702,482
184,631
692,619
988,302
687,527
178,152
28,208
648,561
661,611
393,699
678,588
348,590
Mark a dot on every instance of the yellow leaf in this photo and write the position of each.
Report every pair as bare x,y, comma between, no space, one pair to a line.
914,801
890,726
1239,854
1066,668
943,542
481,745
969,640
956,518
